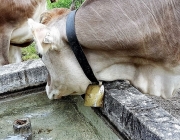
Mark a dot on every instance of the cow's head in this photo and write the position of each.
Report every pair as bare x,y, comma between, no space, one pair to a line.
65,74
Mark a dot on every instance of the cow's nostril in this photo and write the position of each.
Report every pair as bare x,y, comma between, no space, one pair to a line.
53,1
40,55
53,96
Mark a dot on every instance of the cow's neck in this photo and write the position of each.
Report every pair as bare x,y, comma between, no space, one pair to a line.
77,49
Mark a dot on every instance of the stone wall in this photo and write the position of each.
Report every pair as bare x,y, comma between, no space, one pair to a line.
133,114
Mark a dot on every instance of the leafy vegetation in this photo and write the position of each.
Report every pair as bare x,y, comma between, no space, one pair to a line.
59,3
30,51
64,3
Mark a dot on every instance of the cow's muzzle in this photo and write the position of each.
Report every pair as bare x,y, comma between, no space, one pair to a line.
52,94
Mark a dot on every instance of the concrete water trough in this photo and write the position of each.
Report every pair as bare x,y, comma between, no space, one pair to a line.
126,113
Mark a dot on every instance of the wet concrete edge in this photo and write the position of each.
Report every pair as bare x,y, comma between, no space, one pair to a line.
137,116
22,75
132,113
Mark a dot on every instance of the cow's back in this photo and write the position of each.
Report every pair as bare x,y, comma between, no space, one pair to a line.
147,30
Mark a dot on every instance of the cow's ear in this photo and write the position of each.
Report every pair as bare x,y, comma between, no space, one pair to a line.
48,38
41,34
35,26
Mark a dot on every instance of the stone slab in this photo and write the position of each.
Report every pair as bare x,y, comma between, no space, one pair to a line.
137,116
22,75
171,105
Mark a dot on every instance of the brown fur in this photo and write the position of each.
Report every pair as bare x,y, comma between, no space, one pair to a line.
146,30
13,15
51,15
14,12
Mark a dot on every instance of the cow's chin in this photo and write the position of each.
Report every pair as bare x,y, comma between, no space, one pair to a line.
57,93
54,94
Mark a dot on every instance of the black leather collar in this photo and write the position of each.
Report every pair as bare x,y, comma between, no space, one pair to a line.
77,49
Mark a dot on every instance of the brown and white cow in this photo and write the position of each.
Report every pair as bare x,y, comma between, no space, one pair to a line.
137,40
14,31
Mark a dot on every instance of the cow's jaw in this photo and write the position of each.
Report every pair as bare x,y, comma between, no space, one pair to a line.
65,89
55,90
65,75
54,94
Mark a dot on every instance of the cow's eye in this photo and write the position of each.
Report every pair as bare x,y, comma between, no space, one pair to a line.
40,55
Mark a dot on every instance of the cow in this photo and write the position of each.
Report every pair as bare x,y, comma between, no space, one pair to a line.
14,28
135,40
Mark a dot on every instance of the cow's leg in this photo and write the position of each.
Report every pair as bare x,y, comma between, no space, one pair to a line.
4,48
14,54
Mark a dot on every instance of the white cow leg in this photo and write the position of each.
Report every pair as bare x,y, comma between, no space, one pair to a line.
14,54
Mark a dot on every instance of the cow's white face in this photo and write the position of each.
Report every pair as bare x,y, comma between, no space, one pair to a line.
65,74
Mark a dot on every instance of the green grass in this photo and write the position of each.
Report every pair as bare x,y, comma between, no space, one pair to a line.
63,3
30,51
59,3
